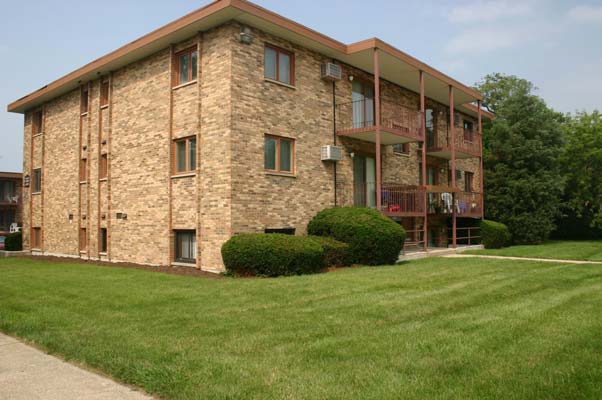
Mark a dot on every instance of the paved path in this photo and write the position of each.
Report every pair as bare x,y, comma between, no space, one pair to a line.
28,374
523,259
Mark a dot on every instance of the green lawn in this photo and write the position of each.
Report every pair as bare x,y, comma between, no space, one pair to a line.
429,329
561,250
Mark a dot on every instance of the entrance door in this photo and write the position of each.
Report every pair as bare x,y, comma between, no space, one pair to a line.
363,105
364,181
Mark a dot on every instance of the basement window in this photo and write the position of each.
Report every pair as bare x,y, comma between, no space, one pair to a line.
103,240
185,247
283,231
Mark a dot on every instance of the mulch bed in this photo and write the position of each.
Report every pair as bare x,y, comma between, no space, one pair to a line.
184,271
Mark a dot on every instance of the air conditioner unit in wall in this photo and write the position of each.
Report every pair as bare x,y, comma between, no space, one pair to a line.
331,72
332,153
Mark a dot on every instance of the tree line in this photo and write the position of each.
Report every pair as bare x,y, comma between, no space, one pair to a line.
542,168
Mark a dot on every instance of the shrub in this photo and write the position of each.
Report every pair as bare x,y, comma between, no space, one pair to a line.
13,242
494,235
272,255
336,254
373,239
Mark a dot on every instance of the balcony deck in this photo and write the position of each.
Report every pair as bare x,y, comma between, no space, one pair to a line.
467,145
398,124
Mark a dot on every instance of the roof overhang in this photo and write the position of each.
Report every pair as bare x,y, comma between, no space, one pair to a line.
395,65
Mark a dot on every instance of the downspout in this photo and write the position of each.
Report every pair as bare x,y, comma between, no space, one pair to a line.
334,137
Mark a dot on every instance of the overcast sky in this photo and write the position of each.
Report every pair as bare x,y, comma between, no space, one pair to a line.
555,44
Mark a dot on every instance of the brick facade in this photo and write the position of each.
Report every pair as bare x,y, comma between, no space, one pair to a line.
229,109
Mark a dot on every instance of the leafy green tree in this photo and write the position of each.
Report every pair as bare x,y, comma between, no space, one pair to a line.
582,165
522,146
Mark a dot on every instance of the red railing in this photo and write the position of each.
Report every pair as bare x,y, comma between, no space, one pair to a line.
467,236
359,116
469,204
397,200
414,237
468,141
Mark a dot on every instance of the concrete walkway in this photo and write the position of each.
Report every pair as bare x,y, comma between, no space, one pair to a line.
27,374
523,259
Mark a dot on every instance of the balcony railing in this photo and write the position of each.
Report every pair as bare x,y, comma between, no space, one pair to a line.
467,144
358,117
9,200
469,204
397,200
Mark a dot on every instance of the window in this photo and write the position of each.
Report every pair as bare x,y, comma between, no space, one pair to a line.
37,120
403,148
104,94
430,128
36,186
279,65
84,102
468,181
104,164
7,190
186,66
7,217
185,247
36,238
185,155
468,131
82,170
283,231
103,240
83,240
279,154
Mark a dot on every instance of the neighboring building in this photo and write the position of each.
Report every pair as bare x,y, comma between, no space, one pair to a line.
11,205
213,125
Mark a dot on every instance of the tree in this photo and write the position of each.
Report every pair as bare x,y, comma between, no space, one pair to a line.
582,165
522,145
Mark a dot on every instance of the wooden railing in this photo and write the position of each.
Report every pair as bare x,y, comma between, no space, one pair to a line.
467,236
468,141
397,200
469,204
359,116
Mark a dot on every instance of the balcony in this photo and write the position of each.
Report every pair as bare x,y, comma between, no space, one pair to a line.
467,145
469,204
9,201
398,124
442,199
397,200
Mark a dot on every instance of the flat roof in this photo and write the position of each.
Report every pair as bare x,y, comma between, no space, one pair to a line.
11,175
358,54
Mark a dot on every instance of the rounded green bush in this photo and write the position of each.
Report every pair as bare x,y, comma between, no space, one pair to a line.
272,255
336,254
14,242
373,239
494,235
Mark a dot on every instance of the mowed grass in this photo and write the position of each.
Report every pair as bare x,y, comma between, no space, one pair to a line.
429,329
560,250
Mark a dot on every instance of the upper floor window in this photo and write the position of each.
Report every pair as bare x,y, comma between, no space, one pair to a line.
279,65
185,155
84,102
403,148
279,154
430,127
83,174
7,190
37,119
104,94
186,66
104,166
36,186
468,181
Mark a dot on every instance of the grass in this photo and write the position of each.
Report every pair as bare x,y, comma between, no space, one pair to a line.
430,329
560,250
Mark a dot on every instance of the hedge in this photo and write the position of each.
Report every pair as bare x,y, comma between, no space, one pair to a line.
494,235
13,242
272,255
336,254
373,239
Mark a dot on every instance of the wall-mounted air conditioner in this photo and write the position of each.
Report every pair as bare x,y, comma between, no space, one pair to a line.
331,72
332,153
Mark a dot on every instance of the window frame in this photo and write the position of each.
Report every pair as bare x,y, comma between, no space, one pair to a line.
177,80
103,239
103,170
469,182
177,256
291,71
85,102
405,149
187,140
36,238
277,169
37,122
83,170
36,185
83,239
104,94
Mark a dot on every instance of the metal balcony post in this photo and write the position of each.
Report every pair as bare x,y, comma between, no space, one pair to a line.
480,128
424,177
377,125
452,123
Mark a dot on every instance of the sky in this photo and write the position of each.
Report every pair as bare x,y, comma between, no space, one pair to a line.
554,44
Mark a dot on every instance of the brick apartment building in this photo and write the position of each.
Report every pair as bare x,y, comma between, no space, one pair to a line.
11,209
234,119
